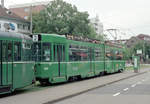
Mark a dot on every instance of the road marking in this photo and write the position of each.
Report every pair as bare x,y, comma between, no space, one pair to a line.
125,89
139,82
143,80
117,94
133,85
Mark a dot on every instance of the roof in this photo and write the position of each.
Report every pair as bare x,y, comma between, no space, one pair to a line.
13,35
141,36
29,4
5,13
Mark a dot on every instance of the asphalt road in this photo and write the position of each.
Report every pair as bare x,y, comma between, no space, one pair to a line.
135,90
108,93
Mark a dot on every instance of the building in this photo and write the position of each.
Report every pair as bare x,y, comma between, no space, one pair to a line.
24,10
121,41
10,22
134,40
98,26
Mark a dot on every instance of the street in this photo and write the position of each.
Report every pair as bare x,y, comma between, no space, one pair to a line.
110,88
135,90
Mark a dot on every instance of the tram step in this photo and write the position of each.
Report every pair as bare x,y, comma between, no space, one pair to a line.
4,89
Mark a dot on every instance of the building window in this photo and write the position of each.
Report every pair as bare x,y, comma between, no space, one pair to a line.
24,27
26,9
20,26
25,17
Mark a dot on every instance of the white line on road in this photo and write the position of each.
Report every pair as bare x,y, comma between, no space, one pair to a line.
125,89
133,85
139,82
117,94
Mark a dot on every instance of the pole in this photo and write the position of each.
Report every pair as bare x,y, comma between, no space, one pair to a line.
2,3
31,19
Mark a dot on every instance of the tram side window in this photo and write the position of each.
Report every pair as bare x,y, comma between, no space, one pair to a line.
10,51
97,54
118,55
73,50
17,51
46,55
59,53
83,54
90,54
0,52
4,51
109,54
78,53
27,56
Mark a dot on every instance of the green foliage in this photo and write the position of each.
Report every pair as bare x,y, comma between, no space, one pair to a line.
141,45
63,18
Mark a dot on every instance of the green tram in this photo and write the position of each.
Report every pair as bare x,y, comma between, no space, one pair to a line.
60,58
114,60
16,65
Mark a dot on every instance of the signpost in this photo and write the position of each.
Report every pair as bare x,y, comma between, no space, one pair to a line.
136,60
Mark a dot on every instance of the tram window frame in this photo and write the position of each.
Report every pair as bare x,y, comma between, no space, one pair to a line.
73,49
50,52
17,51
36,51
26,51
118,53
76,52
59,52
0,51
55,53
110,51
97,54
4,51
84,51
9,51
90,54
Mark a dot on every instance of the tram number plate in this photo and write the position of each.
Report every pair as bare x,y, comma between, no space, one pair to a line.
35,38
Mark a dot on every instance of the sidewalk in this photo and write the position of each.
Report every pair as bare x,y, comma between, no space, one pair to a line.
66,90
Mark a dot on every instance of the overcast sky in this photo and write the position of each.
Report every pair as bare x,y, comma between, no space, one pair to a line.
131,16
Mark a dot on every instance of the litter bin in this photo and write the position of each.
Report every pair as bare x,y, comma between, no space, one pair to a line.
136,61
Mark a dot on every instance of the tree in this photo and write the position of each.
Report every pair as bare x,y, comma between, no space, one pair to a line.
63,18
140,45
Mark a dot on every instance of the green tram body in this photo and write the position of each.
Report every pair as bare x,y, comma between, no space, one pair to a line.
16,65
59,59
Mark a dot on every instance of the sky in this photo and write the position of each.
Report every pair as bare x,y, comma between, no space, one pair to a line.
131,17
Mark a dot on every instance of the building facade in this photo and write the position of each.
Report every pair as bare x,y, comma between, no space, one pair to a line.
98,26
24,10
134,40
10,22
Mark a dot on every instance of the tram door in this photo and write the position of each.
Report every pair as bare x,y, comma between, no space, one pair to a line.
59,56
0,62
7,57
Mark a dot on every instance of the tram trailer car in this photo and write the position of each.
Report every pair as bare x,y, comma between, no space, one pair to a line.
16,65
59,59
114,60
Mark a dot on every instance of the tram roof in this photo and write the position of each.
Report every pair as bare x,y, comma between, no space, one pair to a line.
53,35
12,35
